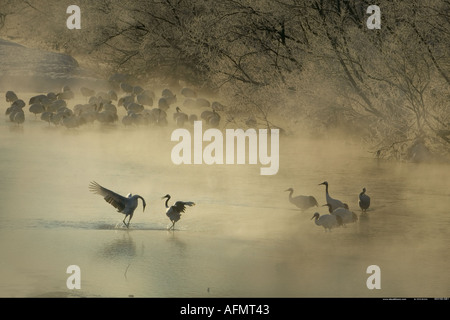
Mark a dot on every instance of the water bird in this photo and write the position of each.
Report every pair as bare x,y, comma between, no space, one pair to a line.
214,120
193,118
112,95
327,221
160,117
52,96
180,117
163,104
205,115
138,90
70,121
125,101
189,103
15,112
11,96
47,116
138,118
19,117
344,213
167,93
364,200
86,92
217,106
211,117
169,96
126,87
333,202
135,107
125,205
36,108
202,103
144,99
65,94
302,202
188,93
18,103
127,120
41,98
174,212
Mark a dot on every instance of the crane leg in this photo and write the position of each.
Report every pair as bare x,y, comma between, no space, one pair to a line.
129,219
127,225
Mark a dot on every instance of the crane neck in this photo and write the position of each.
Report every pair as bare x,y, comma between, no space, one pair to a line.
290,193
316,221
143,201
167,201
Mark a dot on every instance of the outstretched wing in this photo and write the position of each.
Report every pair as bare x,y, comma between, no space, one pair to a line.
116,200
181,205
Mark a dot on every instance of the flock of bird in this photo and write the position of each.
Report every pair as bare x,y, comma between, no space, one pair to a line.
127,205
102,107
339,212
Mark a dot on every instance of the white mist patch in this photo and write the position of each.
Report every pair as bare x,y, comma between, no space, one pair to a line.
216,152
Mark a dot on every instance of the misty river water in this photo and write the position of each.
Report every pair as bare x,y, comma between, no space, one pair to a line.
242,239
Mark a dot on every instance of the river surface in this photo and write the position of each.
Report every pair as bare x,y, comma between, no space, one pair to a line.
243,238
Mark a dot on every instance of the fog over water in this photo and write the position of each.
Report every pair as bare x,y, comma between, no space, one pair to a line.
243,237
313,69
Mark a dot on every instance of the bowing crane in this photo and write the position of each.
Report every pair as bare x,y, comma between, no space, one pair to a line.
327,221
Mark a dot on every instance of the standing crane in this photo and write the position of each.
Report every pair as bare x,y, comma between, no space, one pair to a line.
334,203
180,117
174,212
364,200
327,221
302,202
125,205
